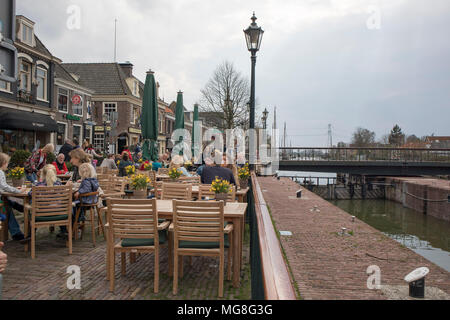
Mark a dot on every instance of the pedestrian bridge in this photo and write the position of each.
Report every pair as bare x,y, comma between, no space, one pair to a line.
366,161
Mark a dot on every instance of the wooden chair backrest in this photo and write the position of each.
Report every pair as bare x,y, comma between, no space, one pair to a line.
198,221
100,170
113,172
178,191
163,171
117,184
204,191
133,219
52,201
192,180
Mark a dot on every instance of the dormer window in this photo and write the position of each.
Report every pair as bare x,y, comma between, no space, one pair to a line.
136,89
25,31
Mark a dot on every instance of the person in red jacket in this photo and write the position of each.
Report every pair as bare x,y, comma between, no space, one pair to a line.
60,165
125,150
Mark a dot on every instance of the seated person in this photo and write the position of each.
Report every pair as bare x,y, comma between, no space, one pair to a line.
3,259
125,162
89,184
157,165
212,171
60,165
109,163
177,162
13,226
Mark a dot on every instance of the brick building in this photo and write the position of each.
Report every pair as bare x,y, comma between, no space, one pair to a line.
26,112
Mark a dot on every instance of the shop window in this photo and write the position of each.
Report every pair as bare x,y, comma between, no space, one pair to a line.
78,108
99,141
63,98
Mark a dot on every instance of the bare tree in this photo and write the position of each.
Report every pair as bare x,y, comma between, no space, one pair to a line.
363,138
227,94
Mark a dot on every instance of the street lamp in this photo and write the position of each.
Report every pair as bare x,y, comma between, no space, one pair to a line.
253,36
264,118
105,119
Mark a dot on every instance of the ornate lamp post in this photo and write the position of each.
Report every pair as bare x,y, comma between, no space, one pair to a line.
253,36
264,118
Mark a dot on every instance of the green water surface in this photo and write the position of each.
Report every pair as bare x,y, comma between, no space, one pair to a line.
426,235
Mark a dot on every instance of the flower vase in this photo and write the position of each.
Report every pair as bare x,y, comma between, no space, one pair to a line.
140,194
243,183
222,196
18,182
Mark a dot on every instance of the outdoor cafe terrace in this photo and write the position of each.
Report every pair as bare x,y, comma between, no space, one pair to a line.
50,274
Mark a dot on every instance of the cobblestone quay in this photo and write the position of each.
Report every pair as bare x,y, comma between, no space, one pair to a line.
327,265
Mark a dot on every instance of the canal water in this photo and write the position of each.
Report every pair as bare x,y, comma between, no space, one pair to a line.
426,235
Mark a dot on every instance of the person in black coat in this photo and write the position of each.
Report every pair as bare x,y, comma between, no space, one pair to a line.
66,149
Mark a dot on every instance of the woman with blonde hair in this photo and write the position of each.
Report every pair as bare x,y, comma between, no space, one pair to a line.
177,162
77,158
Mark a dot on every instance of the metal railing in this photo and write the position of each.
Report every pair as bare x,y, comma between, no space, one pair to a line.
365,154
269,275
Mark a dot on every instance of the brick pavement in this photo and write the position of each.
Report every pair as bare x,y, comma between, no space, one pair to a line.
326,265
46,277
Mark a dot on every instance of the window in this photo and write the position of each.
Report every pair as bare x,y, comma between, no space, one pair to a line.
136,88
88,133
99,141
5,86
63,98
161,123
77,133
41,76
108,108
133,115
61,135
27,34
78,108
25,76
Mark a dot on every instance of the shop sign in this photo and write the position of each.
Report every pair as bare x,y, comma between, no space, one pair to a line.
76,99
133,130
71,117
99,128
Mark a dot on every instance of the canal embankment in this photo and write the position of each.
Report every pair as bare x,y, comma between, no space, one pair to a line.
328,265
425,195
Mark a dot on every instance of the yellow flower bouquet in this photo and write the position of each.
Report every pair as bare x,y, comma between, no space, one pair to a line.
220,186
130,170
140,182
17,173
244,172
175,173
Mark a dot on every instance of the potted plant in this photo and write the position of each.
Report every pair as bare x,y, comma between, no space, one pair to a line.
146,166
130,170
18,176
221,188
139,183
19,158
175,173
244,175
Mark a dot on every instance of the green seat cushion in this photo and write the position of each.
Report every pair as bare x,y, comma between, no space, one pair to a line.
126,243
203,245
52,218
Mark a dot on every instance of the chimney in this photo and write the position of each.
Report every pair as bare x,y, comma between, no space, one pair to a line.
127,68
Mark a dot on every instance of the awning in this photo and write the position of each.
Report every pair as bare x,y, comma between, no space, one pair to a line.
32,121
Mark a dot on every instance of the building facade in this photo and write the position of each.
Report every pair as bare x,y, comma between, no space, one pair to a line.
27,117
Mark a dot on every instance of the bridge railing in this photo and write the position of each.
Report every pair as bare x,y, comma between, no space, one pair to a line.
364,154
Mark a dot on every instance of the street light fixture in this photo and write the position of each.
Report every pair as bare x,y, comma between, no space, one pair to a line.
253,36
264,118
105,119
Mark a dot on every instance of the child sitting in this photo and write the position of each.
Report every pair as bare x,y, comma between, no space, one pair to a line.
89,184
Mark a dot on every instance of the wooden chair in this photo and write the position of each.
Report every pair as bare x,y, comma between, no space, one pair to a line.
204,192
93,209
3,226
51,206
199,230
100,170
178,191
163,171
136,224
192,180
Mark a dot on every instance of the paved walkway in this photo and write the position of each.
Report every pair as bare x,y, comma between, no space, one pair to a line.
326,265
46,276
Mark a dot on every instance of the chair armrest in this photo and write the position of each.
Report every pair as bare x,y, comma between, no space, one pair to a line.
171,227
228,229
164,225
27,207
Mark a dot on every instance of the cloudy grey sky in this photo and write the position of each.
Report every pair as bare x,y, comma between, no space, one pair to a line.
349,63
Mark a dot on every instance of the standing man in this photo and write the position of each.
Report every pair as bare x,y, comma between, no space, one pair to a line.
66,148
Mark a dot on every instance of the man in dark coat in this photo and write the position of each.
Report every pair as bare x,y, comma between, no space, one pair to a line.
66,148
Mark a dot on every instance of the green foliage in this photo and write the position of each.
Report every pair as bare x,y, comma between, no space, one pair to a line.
19,157
51,158
397,137
69,166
